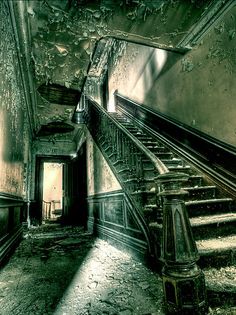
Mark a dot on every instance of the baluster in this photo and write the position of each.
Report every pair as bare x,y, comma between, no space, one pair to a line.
113,134
131,165
105,130
110,138
128,154
133,160
118,146
139,170
114,154
115,144
124,149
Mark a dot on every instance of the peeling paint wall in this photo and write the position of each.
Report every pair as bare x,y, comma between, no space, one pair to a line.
197,88
14,134
65,32
99,175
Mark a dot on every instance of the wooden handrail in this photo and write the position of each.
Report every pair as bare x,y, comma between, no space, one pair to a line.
157,163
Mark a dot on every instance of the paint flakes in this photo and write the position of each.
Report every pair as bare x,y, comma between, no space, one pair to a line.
187,65
232,33
62,50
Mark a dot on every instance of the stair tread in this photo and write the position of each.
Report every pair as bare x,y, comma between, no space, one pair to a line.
222,281
196,176
198,188
151,206
216,244
186,167
153,191
174,160
199,202
212,219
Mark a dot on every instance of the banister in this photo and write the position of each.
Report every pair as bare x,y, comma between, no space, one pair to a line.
157,163
178,248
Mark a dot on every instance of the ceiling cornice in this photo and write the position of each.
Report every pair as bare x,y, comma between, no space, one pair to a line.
216,10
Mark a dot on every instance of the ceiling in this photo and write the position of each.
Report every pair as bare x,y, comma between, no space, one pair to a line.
63,35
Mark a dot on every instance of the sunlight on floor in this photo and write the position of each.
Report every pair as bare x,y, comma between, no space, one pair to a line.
106,283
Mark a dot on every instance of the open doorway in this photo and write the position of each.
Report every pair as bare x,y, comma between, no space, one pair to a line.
52,203
67,178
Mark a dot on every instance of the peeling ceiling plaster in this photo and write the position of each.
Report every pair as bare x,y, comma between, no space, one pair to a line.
64,34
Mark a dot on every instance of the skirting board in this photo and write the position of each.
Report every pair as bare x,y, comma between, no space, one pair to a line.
11,241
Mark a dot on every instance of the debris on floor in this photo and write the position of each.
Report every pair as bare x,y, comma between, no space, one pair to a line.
66,271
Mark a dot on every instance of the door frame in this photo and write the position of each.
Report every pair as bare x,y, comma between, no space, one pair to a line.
36,211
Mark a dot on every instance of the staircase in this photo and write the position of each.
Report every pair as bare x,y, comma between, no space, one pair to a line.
212,213
211,210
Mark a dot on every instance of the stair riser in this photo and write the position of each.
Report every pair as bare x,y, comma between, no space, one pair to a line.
185,170
213,230
143,138
150,143
201,194
157,149
149,174
163,155
173,162
193,182
208,209
217,259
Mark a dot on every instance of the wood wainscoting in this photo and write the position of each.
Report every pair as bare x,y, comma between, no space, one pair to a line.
111,218
11,217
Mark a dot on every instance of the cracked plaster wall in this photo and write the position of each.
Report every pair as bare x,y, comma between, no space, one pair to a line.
197,89
15,138
99,175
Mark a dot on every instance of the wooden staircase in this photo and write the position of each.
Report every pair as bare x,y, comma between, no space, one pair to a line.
211,210
212,213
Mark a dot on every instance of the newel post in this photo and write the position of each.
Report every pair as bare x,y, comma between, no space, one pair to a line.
183,281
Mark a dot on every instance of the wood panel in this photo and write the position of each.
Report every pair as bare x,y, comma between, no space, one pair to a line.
111,218
11,216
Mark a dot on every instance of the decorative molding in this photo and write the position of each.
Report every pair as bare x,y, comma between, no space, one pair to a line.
7,200
211,16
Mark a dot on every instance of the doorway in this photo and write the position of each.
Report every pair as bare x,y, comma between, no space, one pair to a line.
52,202
69,204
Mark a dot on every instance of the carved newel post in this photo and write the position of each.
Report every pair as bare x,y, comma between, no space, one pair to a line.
183,281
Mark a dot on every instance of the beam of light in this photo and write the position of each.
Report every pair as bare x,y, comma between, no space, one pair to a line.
92,282
151,71
111,107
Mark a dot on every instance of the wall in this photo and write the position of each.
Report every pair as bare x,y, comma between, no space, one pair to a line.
100,177
196,88
15,139
12,111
